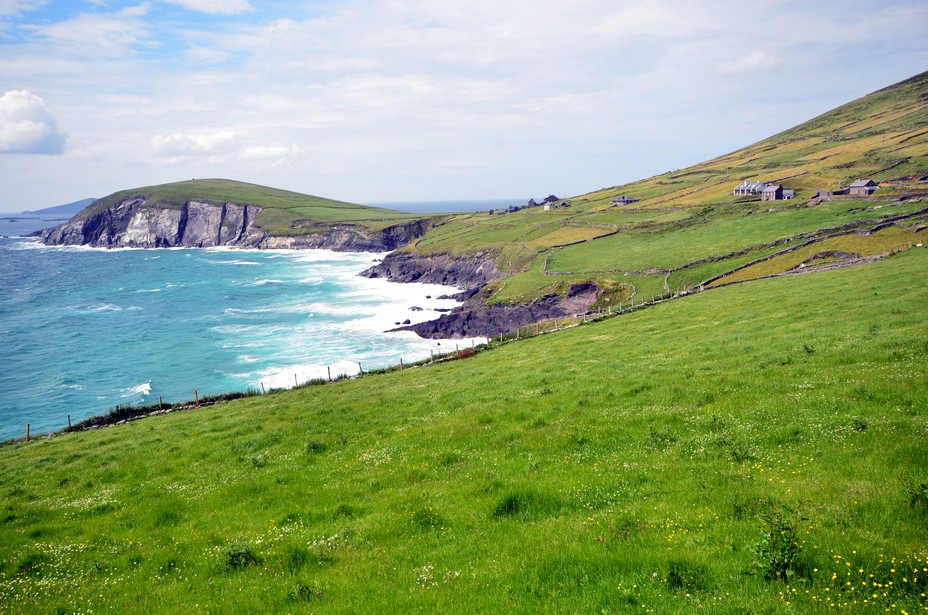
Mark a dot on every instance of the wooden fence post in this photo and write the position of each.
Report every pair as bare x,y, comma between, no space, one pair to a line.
69,421
196,398
401,364
328,368
360,369
27,431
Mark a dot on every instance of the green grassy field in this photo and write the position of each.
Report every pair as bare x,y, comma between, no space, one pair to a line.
757,448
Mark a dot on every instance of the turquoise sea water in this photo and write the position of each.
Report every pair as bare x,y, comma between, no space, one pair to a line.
82,330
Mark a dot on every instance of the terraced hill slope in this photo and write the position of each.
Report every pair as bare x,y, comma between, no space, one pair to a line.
687,227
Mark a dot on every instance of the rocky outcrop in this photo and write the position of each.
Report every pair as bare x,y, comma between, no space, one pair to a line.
134,223
137,223
487,321
470,272
350,238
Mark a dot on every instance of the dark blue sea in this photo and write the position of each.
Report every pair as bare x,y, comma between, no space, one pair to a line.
83,330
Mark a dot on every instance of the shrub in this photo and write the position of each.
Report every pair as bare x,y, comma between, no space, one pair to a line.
917,493
239,556
777,550
315,447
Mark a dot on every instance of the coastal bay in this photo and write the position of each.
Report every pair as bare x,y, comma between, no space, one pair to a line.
84,330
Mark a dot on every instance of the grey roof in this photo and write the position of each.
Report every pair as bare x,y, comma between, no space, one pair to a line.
772,188
863,183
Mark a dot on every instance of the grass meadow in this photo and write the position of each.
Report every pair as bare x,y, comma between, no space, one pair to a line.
757,448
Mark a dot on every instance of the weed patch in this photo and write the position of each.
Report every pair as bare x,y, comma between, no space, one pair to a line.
526,506
777,551
239,556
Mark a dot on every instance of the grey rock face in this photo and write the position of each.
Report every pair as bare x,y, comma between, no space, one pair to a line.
134,223
467,273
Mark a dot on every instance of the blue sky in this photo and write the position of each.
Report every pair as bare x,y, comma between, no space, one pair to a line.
400,100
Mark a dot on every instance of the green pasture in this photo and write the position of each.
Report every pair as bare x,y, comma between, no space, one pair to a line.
710,235
757,448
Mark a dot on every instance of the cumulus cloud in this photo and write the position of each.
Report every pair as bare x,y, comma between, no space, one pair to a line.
215,7
181,144
27,126
755,62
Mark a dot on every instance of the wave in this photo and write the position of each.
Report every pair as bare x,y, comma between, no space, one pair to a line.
263,282
287,376
107,307
141,389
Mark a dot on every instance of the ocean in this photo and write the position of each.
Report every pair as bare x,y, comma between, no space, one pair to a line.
83,330
432,207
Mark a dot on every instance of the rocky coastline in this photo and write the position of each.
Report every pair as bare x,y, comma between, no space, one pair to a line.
136,223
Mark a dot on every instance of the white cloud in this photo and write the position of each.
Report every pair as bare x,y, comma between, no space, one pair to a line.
111,34
757,61
9,8
215,7
180,144
273,153
27,126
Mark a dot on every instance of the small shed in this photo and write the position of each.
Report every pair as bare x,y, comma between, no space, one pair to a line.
863,187
556,205
624,200
788,194
773,192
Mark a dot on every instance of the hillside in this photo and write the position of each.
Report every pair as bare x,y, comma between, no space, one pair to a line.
686,227
210,212
68,208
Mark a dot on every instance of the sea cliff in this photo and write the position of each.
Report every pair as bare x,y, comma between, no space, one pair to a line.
136,222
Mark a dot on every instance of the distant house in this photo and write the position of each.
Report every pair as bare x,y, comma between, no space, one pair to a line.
624,200
555,205
747,188
863,187
773,192
788,194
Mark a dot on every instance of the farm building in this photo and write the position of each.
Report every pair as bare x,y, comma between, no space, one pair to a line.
773,192
624,200
863,187
747,188
555,205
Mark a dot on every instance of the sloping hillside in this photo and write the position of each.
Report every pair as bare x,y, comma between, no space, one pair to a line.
753,449
660,243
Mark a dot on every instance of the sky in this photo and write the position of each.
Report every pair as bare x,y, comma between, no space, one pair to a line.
411,100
